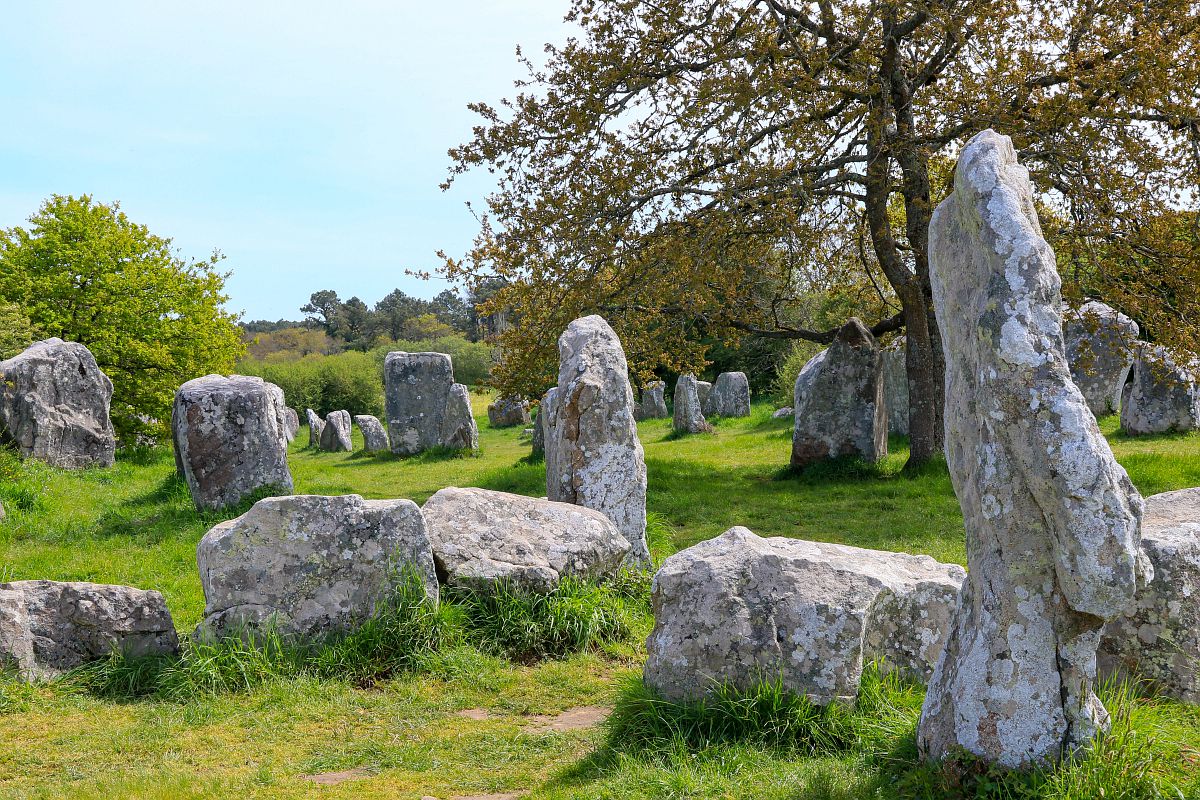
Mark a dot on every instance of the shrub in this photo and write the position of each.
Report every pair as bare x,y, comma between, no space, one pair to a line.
349,381
472,360
789,368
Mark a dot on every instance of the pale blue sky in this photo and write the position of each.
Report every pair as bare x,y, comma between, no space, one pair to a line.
305,140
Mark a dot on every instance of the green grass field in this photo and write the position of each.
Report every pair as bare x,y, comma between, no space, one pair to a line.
468,721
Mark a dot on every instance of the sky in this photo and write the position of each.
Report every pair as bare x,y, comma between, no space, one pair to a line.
304,140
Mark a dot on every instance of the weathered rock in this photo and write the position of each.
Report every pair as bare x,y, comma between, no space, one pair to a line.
291,422
54,404
231,439
703,390
654,402
895,386
48,628
1161,394
688,416
838,401
593,455
425,407
739,608
310,565
481,536
541,424
315,426
335,436
1158,639
780,413
1052,521
507,412
374,435
1100,344
730,396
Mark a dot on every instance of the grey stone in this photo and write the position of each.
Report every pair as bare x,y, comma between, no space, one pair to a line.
54,406
1158,639
425,407
1052,520
593,455
688,416
481,536
540,421
654,402
315,426
780,413
459,431
1100,344
703,390
895,386
48,628
838,401
374,435
231,438
739,608
309,565
292,423
335,436
730,396
1161,395
508,412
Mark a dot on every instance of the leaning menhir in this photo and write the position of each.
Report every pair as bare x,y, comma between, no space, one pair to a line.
374,435
230,438
54,406
335,435
425,407
1052,520
730,396
593,455
1100,345
1162,393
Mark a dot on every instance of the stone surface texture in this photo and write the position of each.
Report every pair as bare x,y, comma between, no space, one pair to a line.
730,396
508,412
1161,395
1100,344
315,426
593,455
480,536
459,431
335,436
1052,521
739,608
425,407
895,386
374,434
688,416
310,565
54,406
231,438
291,422
654,402
541,421
48,628
838,402
704,390
781,413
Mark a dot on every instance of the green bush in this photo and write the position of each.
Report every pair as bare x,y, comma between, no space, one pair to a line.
789,368
349,381
472,360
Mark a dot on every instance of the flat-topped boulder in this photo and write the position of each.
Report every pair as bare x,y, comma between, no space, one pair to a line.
689,414
54,406
335,435
481,536
1162,393
739,608
508,412
654,402
315,426
895,386
310,565
374,434
231,439
730,396
48,628
1100,345
425,408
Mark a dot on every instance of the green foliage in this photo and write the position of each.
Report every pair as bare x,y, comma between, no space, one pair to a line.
22,483
782,390
351,381
16,333
85,272
472,360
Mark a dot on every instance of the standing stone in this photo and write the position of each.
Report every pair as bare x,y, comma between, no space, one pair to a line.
593,455
730,396
895,386
315,426
425,407
1100,343
654,402
54,406
542,435
703,391
374,436
231,439
688,416
1162,395
838,401
292,422
1052,521
506,412
335,436
459,431
314,565
48,628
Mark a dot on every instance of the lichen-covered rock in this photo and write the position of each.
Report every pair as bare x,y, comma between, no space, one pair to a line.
48,628
1052,521
310,565
895,386
1158,639
781,413
335,436
704,391
688,416
315,426
1161,394
838,401
54,406
654,402
1100,344
542,435
291,423
459,430
481,536
425,407
508,412
374,435
231,439
739,608
730,396
593,455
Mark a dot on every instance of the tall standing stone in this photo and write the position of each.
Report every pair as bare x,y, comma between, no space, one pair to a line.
1161,395
542,434
895,386
231,437
425,407
730,396
315,426
54,406
688,416
1052,520
335,436
1100,345
654,402
374,435
593,455
838,401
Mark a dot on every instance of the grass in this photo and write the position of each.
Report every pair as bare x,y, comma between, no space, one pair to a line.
232,720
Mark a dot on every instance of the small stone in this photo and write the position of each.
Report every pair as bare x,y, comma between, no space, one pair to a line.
703,390
459,431
688,418
374,435
730,396
654,402
315,426
291,423
1161,395
781,413
335,436
508,412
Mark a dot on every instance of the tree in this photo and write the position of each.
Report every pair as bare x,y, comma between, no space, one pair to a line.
708,163
426,326
453,310
16,333
395,310
323,308
84,272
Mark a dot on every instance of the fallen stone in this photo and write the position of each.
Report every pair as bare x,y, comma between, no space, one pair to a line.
1161,395
508,412
335,436
730,396
780,413
895,386
654,402
688,418
1100,345
374,435
315,426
